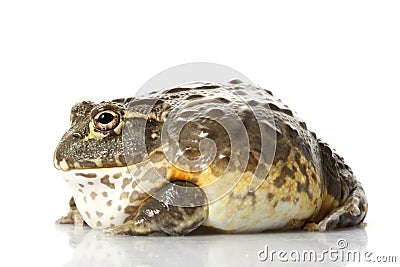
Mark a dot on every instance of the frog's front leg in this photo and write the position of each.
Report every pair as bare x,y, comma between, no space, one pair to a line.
73,216
352,212
156,216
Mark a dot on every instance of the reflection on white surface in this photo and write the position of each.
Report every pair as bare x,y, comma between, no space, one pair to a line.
93,248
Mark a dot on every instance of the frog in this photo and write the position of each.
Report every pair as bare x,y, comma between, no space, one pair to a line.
130,175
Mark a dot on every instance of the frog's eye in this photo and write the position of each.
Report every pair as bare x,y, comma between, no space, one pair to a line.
106,120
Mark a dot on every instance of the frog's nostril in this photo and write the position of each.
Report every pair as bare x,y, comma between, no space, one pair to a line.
77,135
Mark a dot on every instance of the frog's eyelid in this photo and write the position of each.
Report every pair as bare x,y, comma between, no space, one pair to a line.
72,117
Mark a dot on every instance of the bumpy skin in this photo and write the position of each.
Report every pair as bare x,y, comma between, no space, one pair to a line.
305,184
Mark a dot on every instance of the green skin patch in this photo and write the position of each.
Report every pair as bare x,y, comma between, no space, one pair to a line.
114,155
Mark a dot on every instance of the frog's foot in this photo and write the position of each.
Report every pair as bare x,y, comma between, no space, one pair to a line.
351,212
158,216
73,216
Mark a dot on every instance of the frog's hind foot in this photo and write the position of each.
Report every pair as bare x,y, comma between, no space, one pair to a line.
352,212
157,216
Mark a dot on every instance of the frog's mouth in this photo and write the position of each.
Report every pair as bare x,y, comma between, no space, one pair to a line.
68,165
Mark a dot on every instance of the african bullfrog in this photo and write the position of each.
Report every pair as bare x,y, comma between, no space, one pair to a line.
227,156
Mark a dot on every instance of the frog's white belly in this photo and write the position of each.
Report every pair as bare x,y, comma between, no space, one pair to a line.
105,196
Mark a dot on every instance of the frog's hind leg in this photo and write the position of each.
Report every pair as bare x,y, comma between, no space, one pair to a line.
157,216
352,212
73,216
345,203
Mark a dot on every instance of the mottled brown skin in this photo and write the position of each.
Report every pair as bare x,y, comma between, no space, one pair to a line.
305,173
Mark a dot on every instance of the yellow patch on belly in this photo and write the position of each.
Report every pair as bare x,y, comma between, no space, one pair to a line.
290,195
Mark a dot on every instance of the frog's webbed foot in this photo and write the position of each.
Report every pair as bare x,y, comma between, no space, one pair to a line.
73,216
352,212
160,217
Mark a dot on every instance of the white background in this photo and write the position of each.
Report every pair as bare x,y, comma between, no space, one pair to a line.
336,63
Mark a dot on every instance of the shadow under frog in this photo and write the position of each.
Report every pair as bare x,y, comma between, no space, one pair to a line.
93,248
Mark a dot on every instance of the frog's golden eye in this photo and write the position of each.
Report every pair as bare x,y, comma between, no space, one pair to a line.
106,120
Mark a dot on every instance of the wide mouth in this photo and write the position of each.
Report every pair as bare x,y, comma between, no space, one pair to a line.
68,165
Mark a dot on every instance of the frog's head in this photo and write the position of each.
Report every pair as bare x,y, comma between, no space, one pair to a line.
94,139
110,134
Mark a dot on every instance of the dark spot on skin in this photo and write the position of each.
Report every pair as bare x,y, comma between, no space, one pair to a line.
280,181
85,199
177,90
162,171
105,194
117,175
93,195
137,172
157,157
235,81
233,196
130,209
283,110
275,204
81,185
80,190
287,172
119,208
215,113
134,196
304,187
189,210
296,200
152,175
99,214
106,180
270,196
87,214
297,157
86,175
303,125
314,177
313,135
194,97
253,103
112,218
90,183
125,182
223,100
285,199
184,89
268,92
109,203
124,195
303,169
282,151
176,214
98,224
